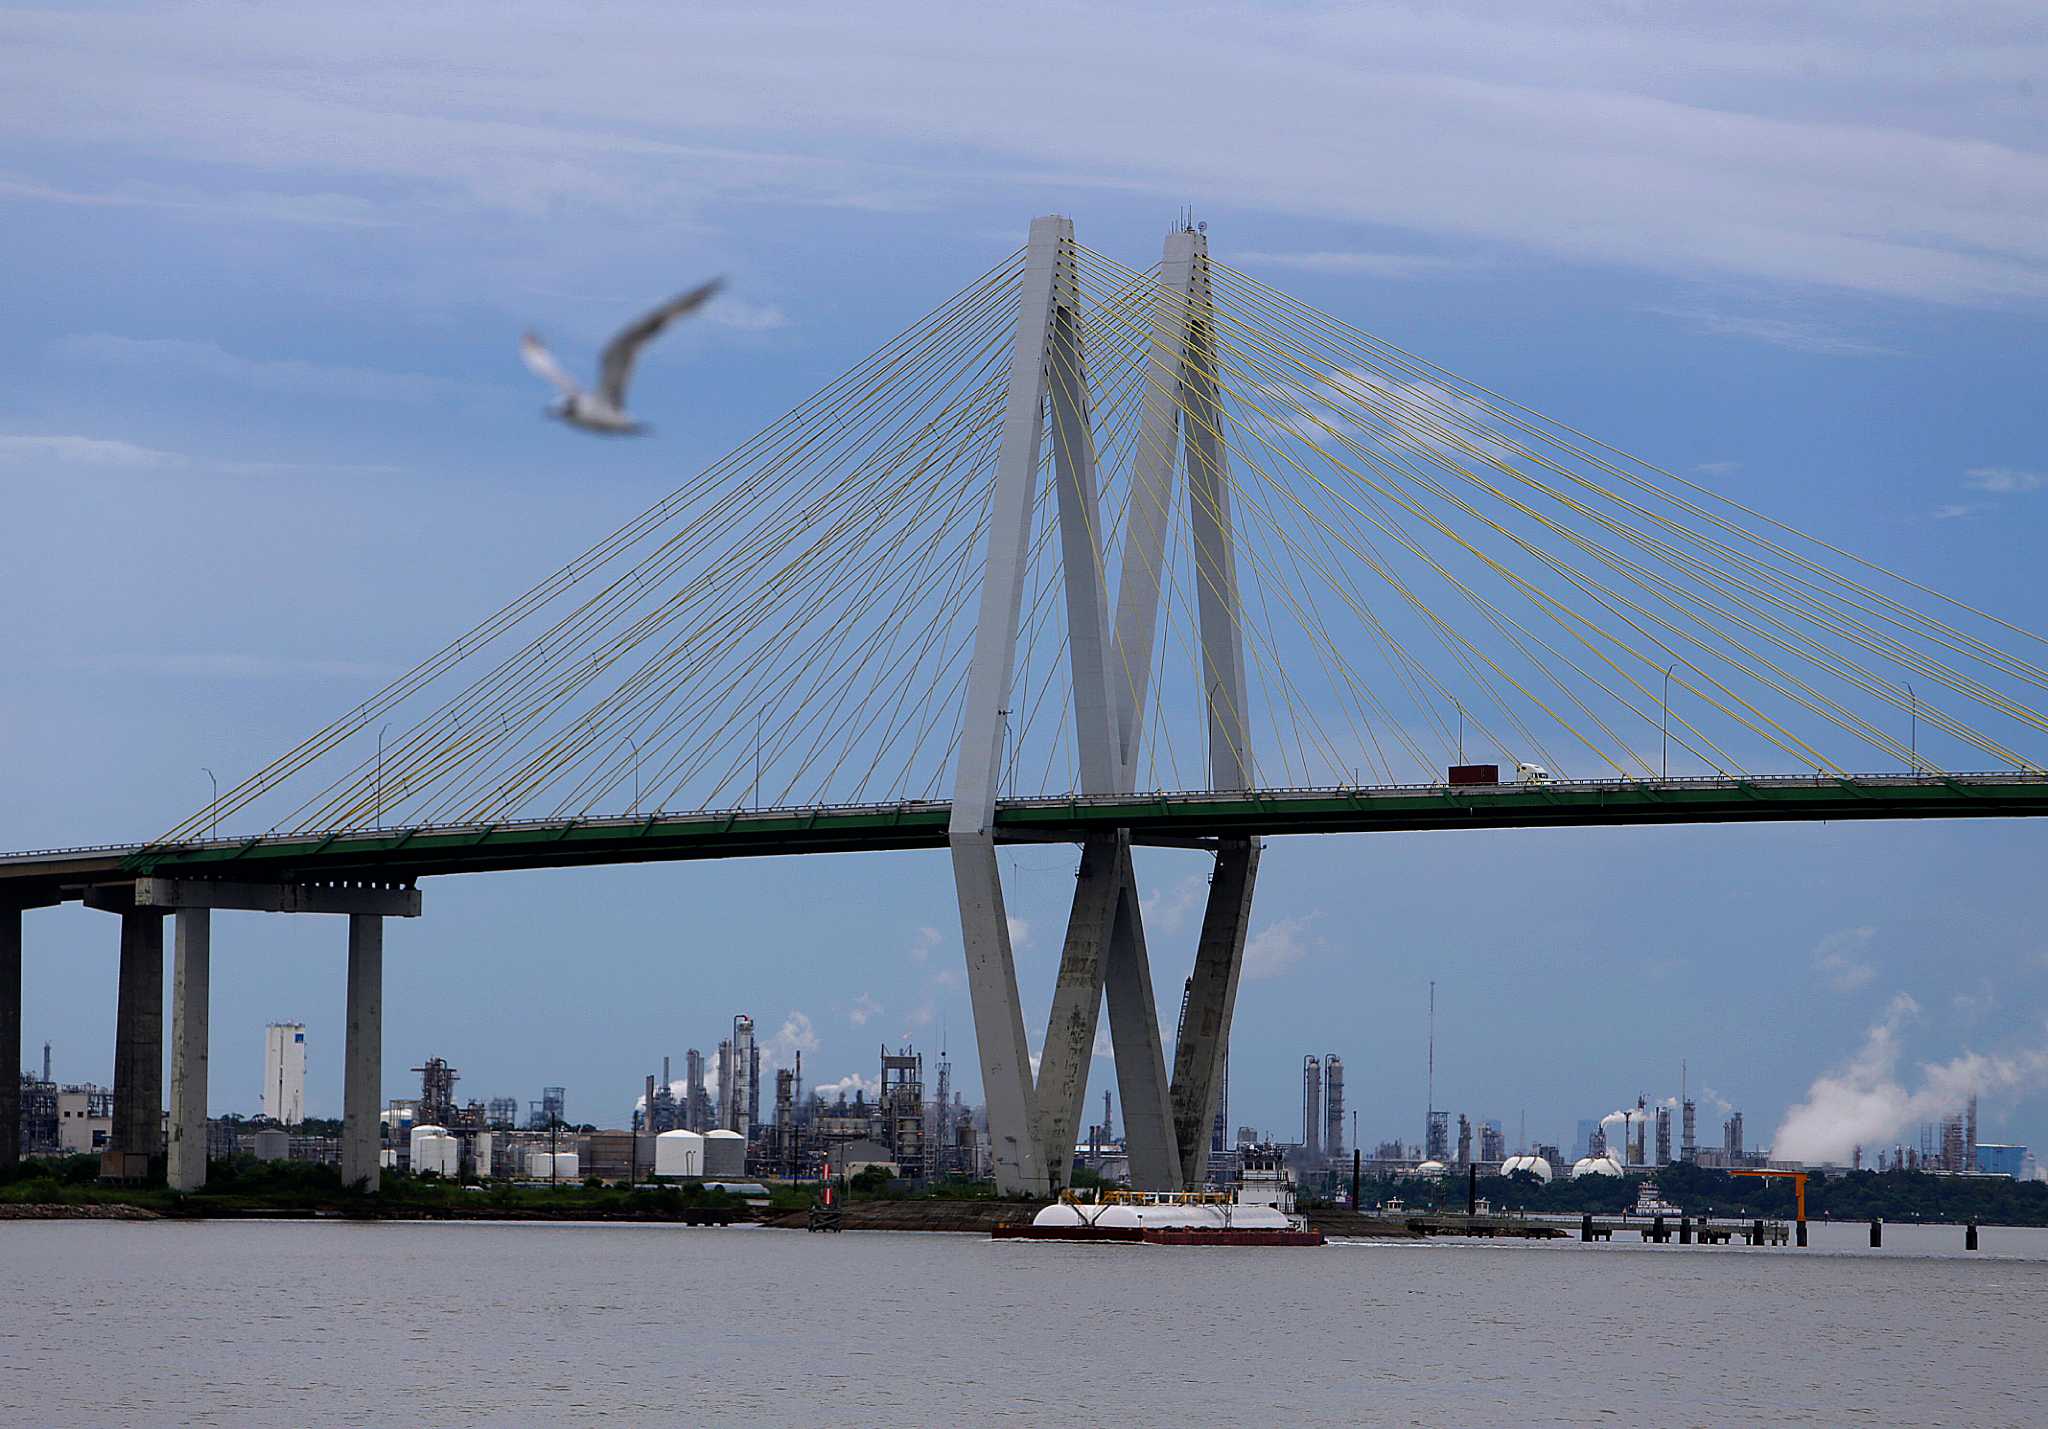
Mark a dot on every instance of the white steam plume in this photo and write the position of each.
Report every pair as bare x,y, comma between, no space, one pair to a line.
1863,1102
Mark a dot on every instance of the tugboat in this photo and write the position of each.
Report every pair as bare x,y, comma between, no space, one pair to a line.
1649,1205
1259,1210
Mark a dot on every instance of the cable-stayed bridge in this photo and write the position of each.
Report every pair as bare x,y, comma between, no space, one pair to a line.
1099,555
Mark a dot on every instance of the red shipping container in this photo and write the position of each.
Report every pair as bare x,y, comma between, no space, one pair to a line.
1475,774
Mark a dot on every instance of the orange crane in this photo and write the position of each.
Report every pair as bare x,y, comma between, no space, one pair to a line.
1798,1188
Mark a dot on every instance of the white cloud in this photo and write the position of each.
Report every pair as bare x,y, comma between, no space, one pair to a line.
1174,909
325,210
1797,334
1864,1103
1810,144
1275,948
795,1035
846,1086
926,942
1840,959
85,451
1375,265
743,316
208,361
864,1008
1718,468
2004,480
1955,510
223,664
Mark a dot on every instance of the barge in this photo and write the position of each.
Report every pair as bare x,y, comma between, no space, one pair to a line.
1258,1210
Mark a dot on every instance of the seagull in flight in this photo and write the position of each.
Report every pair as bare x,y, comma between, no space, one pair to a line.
605,409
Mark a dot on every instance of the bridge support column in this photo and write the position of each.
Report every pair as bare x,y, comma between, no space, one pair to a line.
191,988
10,1037
137,1137
1212,1000
1014,1128
1134,1035
362,1086
1066,1058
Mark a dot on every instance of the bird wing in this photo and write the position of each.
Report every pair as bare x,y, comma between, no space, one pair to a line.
543,364
617,366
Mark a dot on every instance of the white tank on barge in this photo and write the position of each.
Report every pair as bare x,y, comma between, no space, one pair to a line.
1257,1210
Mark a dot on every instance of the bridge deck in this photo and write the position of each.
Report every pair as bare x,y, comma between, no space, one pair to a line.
30,879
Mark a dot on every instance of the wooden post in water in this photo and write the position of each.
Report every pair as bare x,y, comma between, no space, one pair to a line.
1877,1232
1354,1180
1585,1225
1970,1236
1472,1191
1685,1230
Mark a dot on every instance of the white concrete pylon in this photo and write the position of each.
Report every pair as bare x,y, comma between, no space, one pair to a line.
1015,1131
191,984
1033,1121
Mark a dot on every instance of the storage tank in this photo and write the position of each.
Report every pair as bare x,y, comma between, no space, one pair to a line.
442,1154
679,1153
725,1153
272,1145
419,1136
540,1165
480,1147
565,1166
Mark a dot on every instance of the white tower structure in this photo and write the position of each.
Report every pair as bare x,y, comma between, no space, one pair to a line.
284,1072
1032,1123
744,1102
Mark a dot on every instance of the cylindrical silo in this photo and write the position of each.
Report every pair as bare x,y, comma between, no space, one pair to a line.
725,1154
417,1148
679,1153
565,1166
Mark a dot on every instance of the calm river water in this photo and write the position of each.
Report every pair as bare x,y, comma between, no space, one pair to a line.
126,1324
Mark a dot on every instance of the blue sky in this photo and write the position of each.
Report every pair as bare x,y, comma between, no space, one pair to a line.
264,438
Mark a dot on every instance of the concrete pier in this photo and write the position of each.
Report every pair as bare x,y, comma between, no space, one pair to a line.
191,977
10,1038
137,1137
362,1087
1212,1001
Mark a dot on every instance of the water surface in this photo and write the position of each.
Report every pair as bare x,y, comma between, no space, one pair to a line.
238,1323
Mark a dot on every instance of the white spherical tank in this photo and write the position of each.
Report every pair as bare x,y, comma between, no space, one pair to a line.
725,1154
1595,1166
1536,1166
679,1153
1431,1168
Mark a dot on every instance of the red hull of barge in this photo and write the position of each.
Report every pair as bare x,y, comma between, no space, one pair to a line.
1159,1235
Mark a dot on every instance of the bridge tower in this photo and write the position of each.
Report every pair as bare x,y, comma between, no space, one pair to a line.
1033,1121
